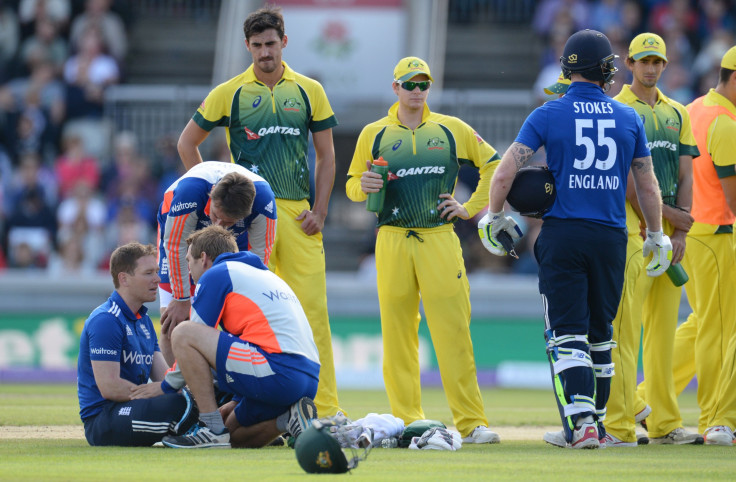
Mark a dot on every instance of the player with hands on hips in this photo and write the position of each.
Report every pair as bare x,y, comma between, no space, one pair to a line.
418,254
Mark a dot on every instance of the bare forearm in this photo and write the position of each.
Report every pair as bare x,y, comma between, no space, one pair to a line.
189,153
324,180
116,390
188,146
516,157
647,191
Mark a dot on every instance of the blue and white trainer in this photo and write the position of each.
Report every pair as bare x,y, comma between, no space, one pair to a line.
199,436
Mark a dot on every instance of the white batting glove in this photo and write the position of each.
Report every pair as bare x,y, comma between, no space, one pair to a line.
437,438
660,246
493,223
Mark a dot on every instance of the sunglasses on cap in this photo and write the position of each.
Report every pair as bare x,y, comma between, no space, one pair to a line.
410,85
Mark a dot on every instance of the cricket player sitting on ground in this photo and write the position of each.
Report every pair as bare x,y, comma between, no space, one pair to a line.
212,192
653,302
581,248
265,354
118,351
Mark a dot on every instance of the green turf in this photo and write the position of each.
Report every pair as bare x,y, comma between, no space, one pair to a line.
50,459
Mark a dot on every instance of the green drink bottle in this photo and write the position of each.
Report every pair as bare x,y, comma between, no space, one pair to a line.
677,274
375,199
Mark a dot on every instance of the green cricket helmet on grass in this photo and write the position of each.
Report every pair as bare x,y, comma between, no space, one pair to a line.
319,449
319,453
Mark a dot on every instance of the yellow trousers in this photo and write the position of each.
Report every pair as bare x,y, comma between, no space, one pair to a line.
654,304
426,265
703,343
622,404
299,260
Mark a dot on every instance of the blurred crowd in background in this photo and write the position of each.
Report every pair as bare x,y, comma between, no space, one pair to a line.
65,204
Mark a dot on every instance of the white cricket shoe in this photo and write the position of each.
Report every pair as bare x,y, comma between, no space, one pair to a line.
643,414
719,435
482,435
678,436
585,437
610,441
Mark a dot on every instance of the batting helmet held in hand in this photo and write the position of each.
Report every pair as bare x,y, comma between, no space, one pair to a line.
589,53
533,191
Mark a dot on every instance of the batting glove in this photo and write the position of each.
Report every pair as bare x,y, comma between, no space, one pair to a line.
437,438
659,245
491,225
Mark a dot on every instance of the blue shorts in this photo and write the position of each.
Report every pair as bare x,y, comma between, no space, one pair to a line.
266,384
139,423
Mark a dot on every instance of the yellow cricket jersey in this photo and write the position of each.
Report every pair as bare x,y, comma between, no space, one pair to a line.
669,136
714,123
423,163
267,131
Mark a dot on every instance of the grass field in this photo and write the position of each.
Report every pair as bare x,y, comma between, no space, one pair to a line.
36,406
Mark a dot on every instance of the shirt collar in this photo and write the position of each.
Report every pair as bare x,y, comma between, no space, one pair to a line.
628,95
243,256
250,75
125,310
393,113
721,100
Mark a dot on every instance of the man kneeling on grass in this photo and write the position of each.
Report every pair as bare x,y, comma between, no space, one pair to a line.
119,352
265,353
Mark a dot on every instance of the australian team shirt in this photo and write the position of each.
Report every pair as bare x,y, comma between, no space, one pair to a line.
186,208
590,140
423,163
239,295
114,333
268,130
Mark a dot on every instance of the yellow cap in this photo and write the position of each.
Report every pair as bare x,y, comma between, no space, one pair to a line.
559,87
646,44
729,59
409,67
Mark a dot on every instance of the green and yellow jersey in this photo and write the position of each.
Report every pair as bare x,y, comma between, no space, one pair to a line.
423,163
267,131
669,135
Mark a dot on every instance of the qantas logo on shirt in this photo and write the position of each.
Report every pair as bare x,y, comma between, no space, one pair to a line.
414,171
180,206
264,131
250,134
478,137
663,144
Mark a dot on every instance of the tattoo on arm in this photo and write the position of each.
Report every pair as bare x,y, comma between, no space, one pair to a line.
642,165
521,154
